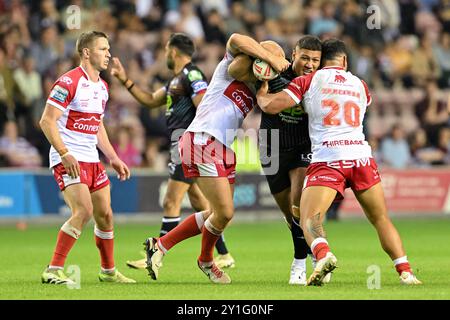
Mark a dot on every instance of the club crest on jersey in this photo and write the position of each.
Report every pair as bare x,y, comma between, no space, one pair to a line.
59,93
83,122
339,78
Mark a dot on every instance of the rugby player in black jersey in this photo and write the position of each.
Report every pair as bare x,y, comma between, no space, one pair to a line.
181,95
285,159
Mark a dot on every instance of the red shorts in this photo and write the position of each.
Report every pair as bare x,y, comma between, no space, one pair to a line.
93,174
360,174
203,156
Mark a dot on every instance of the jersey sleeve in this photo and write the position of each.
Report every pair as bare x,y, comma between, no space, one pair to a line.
197,82
62,93
366,90
297,88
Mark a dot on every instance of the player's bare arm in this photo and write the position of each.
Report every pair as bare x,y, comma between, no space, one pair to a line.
273,103
197,99
238,43
241,67
149,99
50,129
105,146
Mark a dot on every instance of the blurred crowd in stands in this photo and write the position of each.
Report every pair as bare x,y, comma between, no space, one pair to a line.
400,48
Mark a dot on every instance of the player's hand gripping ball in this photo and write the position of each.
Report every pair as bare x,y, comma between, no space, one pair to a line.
263,71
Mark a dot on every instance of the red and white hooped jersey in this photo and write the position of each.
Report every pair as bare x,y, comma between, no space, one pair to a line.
83,103
335,101
224,106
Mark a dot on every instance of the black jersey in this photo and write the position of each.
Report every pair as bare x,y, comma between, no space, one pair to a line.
291,123
179,92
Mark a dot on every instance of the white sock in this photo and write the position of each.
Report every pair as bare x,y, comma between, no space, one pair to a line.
199,219
109,271
70,230
403,259
299,263
55,268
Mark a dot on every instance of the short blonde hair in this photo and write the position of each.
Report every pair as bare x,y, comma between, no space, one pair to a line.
87,38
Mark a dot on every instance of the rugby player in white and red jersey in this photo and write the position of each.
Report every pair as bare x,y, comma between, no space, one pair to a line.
207,157
336,102
73,123
181,95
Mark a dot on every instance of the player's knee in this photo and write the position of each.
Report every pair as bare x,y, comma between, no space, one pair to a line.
108,216
227,213
83,211
222,221
206,214
198,204
376,219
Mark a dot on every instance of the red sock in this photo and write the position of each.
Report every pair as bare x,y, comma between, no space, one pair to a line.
64,243
320,250
403,267
208,242
186,229
105,244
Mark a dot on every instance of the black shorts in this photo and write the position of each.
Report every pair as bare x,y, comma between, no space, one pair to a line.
175,168
278,175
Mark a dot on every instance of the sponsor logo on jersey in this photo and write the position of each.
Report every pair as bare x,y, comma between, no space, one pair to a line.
169,102
376,175
83,122
194,75
294,111
198,86
347,164
323,178
338,143
84,103
59,93
306,157
241,96
101,178
66,79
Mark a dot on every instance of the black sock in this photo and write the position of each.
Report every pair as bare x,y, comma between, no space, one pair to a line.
168,223
220,245
301,248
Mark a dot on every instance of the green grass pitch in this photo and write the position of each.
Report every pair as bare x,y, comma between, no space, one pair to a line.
263,254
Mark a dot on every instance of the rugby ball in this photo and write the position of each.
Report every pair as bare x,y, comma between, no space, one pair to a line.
263,71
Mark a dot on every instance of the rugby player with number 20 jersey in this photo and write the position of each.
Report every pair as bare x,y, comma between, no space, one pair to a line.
336,101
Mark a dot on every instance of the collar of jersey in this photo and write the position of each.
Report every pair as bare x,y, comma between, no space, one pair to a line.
333,67
87,76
